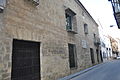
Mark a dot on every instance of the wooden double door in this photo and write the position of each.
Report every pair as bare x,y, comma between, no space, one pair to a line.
25,60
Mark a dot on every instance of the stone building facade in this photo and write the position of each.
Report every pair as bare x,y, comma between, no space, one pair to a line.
36,45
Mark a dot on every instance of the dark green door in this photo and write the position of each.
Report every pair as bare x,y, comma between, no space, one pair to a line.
92,55
72,56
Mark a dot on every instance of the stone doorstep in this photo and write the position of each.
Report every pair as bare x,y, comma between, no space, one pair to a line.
79,73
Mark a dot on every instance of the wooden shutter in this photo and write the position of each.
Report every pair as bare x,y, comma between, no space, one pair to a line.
74,23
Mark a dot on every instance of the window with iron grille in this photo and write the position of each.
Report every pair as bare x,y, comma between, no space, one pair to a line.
71,24
85,28
68,22
3,3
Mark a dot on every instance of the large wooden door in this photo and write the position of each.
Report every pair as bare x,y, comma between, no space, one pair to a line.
25,60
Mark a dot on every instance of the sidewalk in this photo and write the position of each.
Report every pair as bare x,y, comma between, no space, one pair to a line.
79,73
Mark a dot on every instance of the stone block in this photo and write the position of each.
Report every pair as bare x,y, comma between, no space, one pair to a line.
5,75
6,57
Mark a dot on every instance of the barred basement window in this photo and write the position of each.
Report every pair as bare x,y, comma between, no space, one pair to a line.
34,2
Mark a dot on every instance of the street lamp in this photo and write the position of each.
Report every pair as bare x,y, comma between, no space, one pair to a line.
112,25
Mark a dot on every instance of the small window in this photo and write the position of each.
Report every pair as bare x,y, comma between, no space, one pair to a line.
85,28
94,36
2,3
109,49
106,48
95,40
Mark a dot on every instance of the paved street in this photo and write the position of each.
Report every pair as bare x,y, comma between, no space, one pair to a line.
107,71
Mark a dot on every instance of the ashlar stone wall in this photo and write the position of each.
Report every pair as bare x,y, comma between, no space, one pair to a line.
45,23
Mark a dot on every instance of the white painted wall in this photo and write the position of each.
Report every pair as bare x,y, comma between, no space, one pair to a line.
105,45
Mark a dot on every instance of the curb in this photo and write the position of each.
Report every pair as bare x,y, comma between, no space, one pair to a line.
79,73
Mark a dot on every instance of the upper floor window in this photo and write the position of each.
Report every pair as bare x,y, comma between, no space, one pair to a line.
94,37
68,21
96,40
71,23
85,28
2,5
116,5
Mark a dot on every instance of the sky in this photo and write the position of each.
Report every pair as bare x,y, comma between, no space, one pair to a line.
102,12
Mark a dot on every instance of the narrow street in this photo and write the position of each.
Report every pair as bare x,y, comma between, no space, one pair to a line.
107,71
